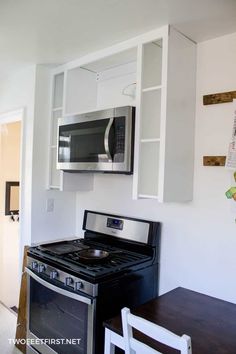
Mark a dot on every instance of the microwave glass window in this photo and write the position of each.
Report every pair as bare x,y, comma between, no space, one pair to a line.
86,141
83,142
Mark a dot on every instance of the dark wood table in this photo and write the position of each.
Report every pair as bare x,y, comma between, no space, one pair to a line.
210,322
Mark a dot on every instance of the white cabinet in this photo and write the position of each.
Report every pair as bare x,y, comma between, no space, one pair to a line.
59,179
156,73
164,141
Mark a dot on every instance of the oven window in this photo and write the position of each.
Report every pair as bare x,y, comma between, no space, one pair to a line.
82,142
55,316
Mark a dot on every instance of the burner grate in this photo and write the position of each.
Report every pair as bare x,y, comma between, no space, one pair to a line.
118,259
113,263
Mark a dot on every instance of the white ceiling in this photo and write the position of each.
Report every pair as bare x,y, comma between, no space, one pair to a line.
56,31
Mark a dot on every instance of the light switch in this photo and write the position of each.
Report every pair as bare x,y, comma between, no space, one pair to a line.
50,205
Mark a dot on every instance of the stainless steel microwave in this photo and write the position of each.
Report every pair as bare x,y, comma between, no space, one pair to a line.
100,141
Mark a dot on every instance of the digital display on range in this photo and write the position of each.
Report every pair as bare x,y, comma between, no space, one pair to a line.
115,223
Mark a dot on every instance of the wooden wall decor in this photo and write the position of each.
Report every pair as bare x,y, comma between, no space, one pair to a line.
214,160
222,97
22,314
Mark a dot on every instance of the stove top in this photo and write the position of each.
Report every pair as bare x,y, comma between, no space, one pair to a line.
117,260
124,244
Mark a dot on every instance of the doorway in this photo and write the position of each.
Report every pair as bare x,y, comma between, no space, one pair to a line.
10,175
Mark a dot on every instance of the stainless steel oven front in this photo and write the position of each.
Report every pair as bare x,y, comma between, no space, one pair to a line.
99,141
58,320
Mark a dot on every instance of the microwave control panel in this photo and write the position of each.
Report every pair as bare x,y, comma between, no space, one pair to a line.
120,135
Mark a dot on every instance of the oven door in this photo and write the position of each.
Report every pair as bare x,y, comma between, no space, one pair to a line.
59,321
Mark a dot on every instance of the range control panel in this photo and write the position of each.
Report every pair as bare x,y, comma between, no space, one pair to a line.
55,275
115,223
118,226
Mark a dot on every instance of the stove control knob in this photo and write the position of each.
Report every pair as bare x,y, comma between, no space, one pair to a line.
69,281
53,274
79,285
41,268
34,265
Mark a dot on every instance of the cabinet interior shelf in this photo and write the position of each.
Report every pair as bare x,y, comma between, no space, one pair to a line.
53,146
152,140
148,196
57,109
153,88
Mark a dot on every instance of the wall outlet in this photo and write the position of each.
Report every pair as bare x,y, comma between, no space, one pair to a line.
50,205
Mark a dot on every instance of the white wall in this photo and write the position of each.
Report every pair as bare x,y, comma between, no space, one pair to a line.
17,91
29,88
9,232
198,239
59,223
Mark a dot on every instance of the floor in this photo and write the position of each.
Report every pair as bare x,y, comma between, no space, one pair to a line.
7,331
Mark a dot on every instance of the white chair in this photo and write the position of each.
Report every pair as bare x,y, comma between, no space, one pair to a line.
158,333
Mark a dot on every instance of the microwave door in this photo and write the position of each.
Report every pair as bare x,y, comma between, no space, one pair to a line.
86,145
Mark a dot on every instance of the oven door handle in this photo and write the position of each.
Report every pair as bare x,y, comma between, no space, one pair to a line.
106,139
57,289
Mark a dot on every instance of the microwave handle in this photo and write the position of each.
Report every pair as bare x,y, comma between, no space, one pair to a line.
106,139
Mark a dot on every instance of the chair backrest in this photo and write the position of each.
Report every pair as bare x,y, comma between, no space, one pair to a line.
158,333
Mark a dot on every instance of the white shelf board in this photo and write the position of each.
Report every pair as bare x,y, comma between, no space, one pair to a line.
152,140
153,88
54,187
57,109
147,196
53,146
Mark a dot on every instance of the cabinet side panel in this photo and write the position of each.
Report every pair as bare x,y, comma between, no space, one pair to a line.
180,123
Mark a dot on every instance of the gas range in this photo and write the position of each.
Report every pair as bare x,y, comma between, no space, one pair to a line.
113,266
118,260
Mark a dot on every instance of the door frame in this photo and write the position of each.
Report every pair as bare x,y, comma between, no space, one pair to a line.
18,115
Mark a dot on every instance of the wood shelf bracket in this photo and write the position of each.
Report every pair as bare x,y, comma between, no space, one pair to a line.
214,160
221,97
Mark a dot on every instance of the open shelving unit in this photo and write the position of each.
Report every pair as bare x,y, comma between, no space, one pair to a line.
148,137
154,72
56,112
